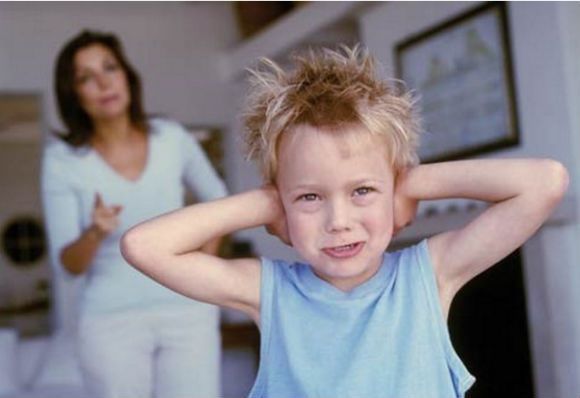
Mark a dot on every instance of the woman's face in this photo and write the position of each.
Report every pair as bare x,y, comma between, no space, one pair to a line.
101,83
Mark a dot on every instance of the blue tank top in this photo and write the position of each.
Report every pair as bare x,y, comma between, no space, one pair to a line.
386,338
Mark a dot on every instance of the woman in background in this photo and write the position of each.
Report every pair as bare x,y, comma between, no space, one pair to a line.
112,169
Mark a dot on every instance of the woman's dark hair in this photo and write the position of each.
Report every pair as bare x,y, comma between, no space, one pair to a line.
77,121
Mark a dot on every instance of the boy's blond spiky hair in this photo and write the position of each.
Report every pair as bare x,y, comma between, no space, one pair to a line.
328,90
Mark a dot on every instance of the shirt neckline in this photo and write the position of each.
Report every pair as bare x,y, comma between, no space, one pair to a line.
127,181
319,287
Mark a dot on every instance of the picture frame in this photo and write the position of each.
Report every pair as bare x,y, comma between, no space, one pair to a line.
461,70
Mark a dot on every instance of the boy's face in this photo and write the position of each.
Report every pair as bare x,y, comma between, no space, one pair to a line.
337,192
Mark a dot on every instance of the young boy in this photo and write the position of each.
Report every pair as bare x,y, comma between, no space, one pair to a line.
337,146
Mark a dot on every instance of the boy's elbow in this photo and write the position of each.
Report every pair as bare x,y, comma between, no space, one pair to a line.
556,180
132,248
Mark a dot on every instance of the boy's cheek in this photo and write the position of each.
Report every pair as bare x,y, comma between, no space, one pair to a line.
381,223
293,228
299,229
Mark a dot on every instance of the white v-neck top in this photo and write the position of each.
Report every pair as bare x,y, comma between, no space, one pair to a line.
72,176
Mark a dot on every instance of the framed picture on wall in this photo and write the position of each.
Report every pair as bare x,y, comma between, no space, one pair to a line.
462,72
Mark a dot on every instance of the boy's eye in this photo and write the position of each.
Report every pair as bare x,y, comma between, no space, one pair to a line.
308,197
363,191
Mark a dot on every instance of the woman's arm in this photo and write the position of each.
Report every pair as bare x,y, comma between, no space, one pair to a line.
200,177
70,247
77,256
523,193
167,248
61,210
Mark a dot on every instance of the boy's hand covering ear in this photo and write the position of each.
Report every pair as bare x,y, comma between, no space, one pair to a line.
404,207
278,226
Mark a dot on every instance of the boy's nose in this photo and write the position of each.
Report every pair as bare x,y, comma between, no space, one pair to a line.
338,217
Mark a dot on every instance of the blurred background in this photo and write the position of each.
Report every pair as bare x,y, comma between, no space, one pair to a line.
517,327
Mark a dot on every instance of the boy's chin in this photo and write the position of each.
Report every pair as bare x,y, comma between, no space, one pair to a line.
350,274
344,282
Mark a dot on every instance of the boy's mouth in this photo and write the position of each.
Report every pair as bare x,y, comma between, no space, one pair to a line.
344,251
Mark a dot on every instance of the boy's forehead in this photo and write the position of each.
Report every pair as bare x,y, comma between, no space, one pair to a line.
308,149
350,140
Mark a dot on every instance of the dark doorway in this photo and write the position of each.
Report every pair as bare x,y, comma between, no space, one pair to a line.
489,329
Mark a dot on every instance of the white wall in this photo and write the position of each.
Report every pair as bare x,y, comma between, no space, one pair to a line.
175,46
569,16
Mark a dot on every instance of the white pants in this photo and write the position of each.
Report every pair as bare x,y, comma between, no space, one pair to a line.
162,353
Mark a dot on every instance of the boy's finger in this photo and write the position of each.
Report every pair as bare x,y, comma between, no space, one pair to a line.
116,209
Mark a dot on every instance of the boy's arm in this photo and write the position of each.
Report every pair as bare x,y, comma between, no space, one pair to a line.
168,249
523,193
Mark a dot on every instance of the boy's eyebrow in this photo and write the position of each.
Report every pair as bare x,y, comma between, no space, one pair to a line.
353,183
302,187
368,180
